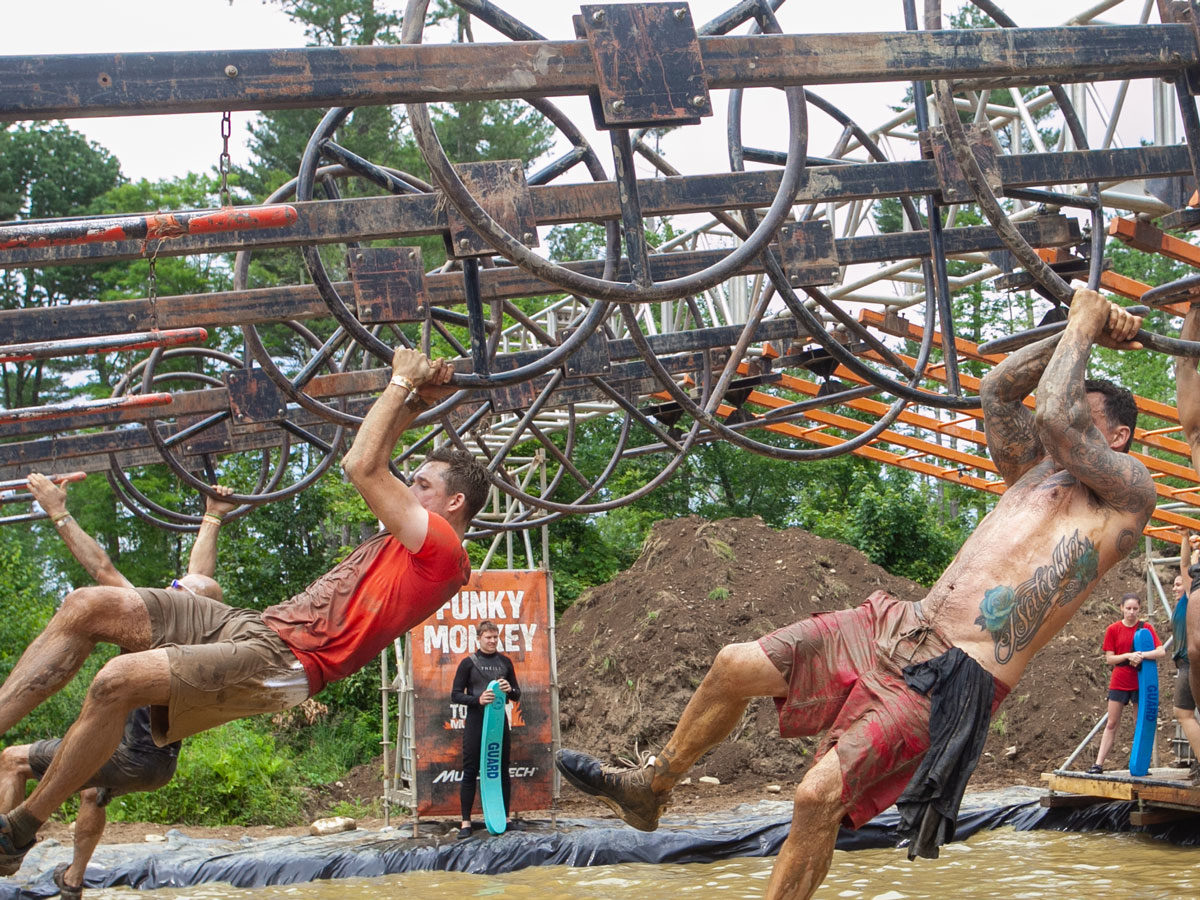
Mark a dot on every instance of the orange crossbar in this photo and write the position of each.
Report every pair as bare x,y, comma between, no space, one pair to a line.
61,410
1141,235
61,478
922,448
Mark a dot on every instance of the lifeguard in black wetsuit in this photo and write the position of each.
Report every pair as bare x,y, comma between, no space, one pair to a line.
474,674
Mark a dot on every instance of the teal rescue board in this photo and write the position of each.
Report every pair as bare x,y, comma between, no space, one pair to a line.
491,759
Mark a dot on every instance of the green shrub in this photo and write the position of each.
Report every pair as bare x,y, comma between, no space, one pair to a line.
324,752
232,775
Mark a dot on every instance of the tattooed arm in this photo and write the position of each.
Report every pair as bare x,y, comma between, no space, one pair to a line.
1012,438
1187,387
1064,415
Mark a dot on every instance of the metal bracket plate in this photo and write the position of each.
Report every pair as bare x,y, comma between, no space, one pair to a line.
253,399
519,396
592,358
936,146
648,64
389,284
498,186
809,252
212,441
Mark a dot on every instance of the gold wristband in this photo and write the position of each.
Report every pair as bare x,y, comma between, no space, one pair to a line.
210,517
59,520
406,383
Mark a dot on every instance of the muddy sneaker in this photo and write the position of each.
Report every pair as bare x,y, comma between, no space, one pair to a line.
10,854
1095,769
627,791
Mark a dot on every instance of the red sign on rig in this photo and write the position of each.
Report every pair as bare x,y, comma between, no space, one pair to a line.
518,602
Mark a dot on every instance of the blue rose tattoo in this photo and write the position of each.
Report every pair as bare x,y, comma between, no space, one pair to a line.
996,606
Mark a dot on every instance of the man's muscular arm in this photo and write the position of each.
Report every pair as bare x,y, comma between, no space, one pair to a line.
203,559
53,500
1064,418
367,462
1187,387
1012,437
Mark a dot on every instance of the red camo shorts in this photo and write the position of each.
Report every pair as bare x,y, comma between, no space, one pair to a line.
844,674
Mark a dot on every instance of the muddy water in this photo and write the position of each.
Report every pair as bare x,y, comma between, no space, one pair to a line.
998,864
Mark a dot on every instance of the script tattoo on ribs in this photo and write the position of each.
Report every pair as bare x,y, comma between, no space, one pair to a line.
1014,615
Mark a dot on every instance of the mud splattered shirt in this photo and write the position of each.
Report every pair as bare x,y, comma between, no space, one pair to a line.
345,618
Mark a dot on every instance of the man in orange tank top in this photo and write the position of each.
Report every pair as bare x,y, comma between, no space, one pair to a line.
199,663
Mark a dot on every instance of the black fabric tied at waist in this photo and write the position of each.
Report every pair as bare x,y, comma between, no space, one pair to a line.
961,693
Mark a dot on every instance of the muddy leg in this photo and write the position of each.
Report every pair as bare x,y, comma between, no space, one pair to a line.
739,673
88,616
125,683
806,854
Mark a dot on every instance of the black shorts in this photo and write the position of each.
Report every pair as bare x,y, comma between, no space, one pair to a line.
136,765
1122,697
1183,686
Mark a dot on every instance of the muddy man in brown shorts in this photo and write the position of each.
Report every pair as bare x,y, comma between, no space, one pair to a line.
138,764
198,663
1076,504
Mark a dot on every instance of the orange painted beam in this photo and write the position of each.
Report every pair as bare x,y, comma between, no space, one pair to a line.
61,478
1141,235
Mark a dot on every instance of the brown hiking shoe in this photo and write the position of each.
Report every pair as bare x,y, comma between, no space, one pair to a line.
627,791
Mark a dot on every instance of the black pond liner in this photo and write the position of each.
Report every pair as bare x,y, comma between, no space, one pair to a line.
746,830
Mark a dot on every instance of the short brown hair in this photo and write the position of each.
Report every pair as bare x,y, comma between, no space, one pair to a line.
464,475
1120,406
487,625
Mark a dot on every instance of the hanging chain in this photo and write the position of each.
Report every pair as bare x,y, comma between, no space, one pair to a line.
224,161
152,279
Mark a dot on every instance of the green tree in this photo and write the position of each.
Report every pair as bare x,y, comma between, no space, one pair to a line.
47,170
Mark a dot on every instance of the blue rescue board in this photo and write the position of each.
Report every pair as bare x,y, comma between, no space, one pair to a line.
1147,714
491,761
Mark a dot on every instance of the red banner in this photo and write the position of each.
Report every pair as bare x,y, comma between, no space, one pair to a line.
518,602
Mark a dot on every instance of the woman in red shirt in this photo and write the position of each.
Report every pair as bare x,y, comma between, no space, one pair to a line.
1123,686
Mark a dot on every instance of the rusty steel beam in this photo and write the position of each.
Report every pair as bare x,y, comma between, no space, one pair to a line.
118,343
194,403
62,478
147,228
412,215
268,305
26,517
58,411
86,85
130,447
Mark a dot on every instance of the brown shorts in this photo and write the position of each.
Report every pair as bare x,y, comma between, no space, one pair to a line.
844,672
225,664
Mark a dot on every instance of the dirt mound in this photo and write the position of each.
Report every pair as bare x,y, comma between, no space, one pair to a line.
632,651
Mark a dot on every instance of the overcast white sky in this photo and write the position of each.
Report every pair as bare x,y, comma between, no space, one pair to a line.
162,146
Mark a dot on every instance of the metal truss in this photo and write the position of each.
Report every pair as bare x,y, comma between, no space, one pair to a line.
772,300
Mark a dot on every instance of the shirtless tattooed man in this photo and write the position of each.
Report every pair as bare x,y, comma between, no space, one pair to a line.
1075,505
1187,400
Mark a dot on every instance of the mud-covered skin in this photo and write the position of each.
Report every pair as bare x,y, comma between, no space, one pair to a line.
1074,507
1187,400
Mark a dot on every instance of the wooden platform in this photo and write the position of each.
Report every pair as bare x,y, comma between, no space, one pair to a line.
1161,796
